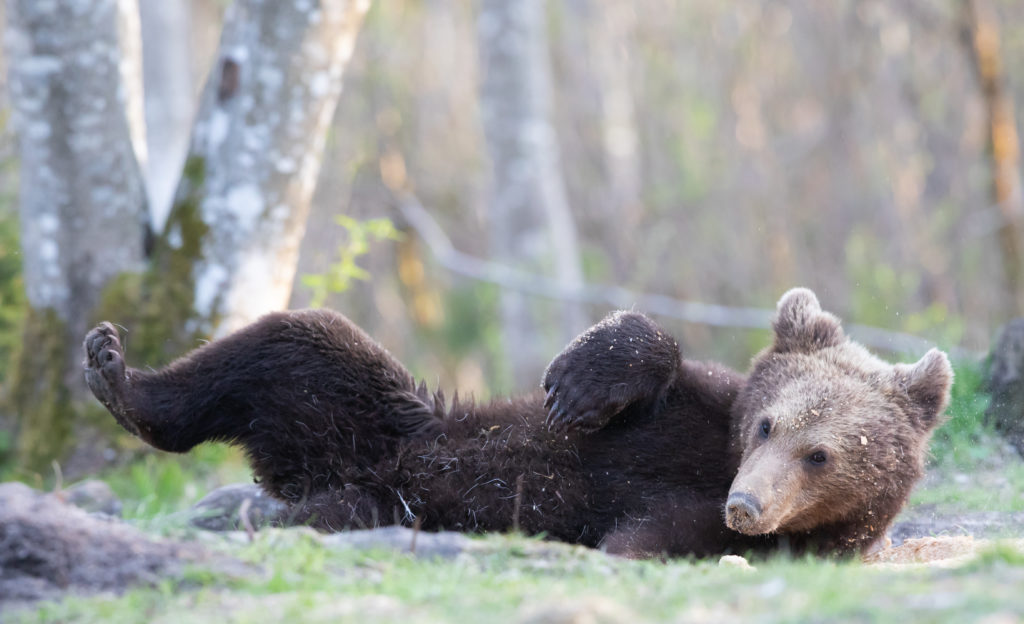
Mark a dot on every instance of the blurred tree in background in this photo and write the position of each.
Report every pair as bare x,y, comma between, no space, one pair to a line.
229,248
718,152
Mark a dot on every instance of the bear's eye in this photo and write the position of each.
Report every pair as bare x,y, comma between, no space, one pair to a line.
766,428
817,458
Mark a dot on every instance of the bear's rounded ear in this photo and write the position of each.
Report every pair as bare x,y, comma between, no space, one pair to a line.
801,325
927,382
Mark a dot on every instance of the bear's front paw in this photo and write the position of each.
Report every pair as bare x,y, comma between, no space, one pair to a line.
104,366
575,402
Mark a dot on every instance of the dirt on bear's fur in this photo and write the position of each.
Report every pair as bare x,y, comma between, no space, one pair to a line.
633,448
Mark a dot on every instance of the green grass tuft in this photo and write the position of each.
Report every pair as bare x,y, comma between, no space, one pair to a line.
162,483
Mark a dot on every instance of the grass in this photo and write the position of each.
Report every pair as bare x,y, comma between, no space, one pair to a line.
309,582
960,441
970,468
161,483
1001,492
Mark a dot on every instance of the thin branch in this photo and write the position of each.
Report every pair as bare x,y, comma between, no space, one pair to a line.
427,228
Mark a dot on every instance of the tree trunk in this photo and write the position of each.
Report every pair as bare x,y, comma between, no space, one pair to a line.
82,203
229,249
1005,142
241,207
167,72
531,224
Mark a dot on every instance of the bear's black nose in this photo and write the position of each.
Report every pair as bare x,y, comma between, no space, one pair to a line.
741,510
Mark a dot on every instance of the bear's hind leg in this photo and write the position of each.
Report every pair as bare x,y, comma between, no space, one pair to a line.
307,394
104,368
106,376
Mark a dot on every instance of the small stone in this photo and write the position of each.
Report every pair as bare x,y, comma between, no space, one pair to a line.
735,561
220,509
94,496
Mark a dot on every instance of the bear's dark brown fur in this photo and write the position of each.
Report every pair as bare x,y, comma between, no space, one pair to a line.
633,448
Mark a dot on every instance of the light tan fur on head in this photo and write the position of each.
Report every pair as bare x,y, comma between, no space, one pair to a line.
828,434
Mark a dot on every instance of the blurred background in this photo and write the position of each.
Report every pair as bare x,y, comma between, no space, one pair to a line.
475,182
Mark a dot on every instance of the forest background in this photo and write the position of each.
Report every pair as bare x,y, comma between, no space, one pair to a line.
498,175
474,183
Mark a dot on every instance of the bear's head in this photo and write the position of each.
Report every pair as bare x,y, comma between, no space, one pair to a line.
830,438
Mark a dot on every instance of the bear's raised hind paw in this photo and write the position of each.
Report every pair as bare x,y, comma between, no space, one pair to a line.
105,368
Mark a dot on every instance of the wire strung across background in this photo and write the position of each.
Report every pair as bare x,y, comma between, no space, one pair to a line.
620,298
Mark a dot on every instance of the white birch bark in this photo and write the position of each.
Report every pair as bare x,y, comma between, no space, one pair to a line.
256,150
82,202
167,72
82,206
531,223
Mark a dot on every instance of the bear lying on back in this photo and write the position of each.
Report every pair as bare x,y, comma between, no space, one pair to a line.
633,448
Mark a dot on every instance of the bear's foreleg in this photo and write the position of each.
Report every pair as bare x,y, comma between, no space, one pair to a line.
624,360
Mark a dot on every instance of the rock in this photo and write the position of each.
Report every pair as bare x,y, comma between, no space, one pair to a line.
49,548
220,510
736,562
94,496
1006,383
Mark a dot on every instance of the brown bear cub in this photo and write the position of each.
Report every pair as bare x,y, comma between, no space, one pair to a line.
633,448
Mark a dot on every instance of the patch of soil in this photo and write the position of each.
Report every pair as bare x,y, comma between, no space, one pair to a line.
937,551
48,548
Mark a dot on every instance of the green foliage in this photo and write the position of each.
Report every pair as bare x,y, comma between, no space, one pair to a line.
990,490
470,319
39,396
969,468
12,307
12,289
878,288
161,483
470,330
959,441
339,275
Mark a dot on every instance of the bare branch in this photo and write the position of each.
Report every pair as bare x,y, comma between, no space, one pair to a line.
711,314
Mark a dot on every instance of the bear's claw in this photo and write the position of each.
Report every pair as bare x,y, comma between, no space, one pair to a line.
105,370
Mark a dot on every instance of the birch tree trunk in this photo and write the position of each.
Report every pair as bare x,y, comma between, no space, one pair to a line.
167,72
593,43
531,223
229,249
82,203
611,31
232,238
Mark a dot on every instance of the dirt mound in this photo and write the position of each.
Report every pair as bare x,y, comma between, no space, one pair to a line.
48,547
937,551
